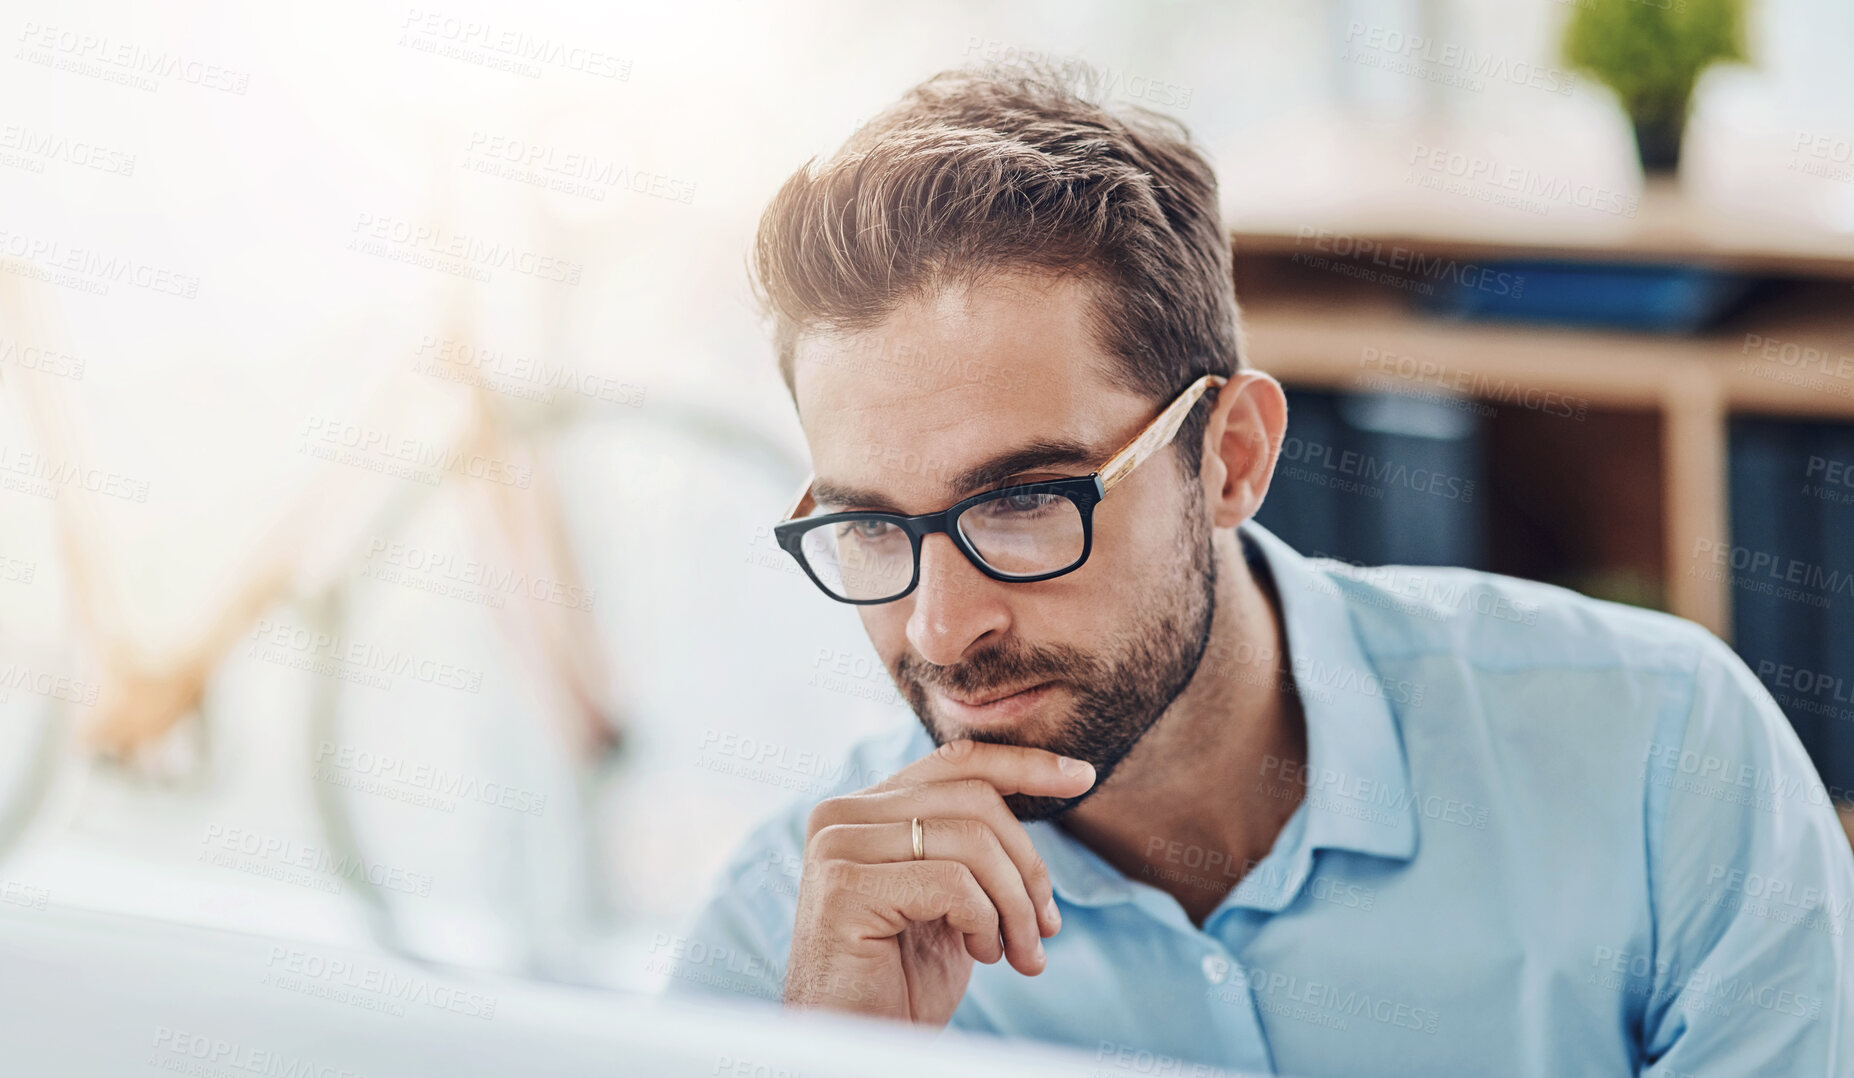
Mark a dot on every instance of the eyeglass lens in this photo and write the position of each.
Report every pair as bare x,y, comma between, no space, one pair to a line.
1024,534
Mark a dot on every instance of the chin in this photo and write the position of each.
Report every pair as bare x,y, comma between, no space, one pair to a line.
1029,809
1030,735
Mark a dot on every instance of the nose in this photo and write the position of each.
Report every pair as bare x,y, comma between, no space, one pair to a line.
955,605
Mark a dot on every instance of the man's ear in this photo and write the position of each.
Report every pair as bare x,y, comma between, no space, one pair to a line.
1241,442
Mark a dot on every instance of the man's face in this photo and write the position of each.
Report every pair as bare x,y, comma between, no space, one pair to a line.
895,415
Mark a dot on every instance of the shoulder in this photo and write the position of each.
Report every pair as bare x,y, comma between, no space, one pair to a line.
1502,623
1585,686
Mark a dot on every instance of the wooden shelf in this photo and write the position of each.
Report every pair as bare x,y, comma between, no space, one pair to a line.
1667,227
1325,341
1314,328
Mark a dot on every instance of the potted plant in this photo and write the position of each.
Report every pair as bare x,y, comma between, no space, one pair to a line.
1651,52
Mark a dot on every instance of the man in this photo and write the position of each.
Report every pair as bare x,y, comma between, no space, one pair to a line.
1178,789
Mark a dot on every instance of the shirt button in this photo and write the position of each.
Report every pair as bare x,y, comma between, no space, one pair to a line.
1216,968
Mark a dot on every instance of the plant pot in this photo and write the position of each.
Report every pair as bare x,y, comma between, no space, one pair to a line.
1657,143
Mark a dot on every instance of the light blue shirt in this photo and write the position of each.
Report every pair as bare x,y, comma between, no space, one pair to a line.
1540,834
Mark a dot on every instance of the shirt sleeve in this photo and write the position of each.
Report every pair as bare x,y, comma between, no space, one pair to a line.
738,943
1752,892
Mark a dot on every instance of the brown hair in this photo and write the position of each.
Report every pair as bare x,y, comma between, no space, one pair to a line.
999,168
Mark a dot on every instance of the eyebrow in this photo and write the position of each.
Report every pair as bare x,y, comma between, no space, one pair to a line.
993,472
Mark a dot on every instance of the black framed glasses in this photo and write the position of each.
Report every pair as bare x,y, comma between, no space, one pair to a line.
1020,533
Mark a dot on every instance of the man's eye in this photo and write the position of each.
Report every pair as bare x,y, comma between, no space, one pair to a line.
1022,504
867,531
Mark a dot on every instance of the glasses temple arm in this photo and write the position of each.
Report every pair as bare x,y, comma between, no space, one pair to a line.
1157,433
804,503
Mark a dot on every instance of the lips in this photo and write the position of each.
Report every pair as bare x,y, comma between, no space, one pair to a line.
992,698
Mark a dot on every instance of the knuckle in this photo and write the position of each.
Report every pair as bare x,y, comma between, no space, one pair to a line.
836,910
980,909
1002,819
821,816
828,839
835,872
976,789
957,751
956,876
830,884
969,832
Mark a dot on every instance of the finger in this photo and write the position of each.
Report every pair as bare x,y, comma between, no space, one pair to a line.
969,842
962,798
898,894
1011,769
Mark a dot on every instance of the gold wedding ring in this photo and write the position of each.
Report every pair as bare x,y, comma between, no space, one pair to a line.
920,851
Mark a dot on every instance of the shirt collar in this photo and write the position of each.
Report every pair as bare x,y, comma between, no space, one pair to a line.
1356,789
1357,779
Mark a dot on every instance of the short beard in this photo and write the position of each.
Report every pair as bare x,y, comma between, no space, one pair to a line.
1117,700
